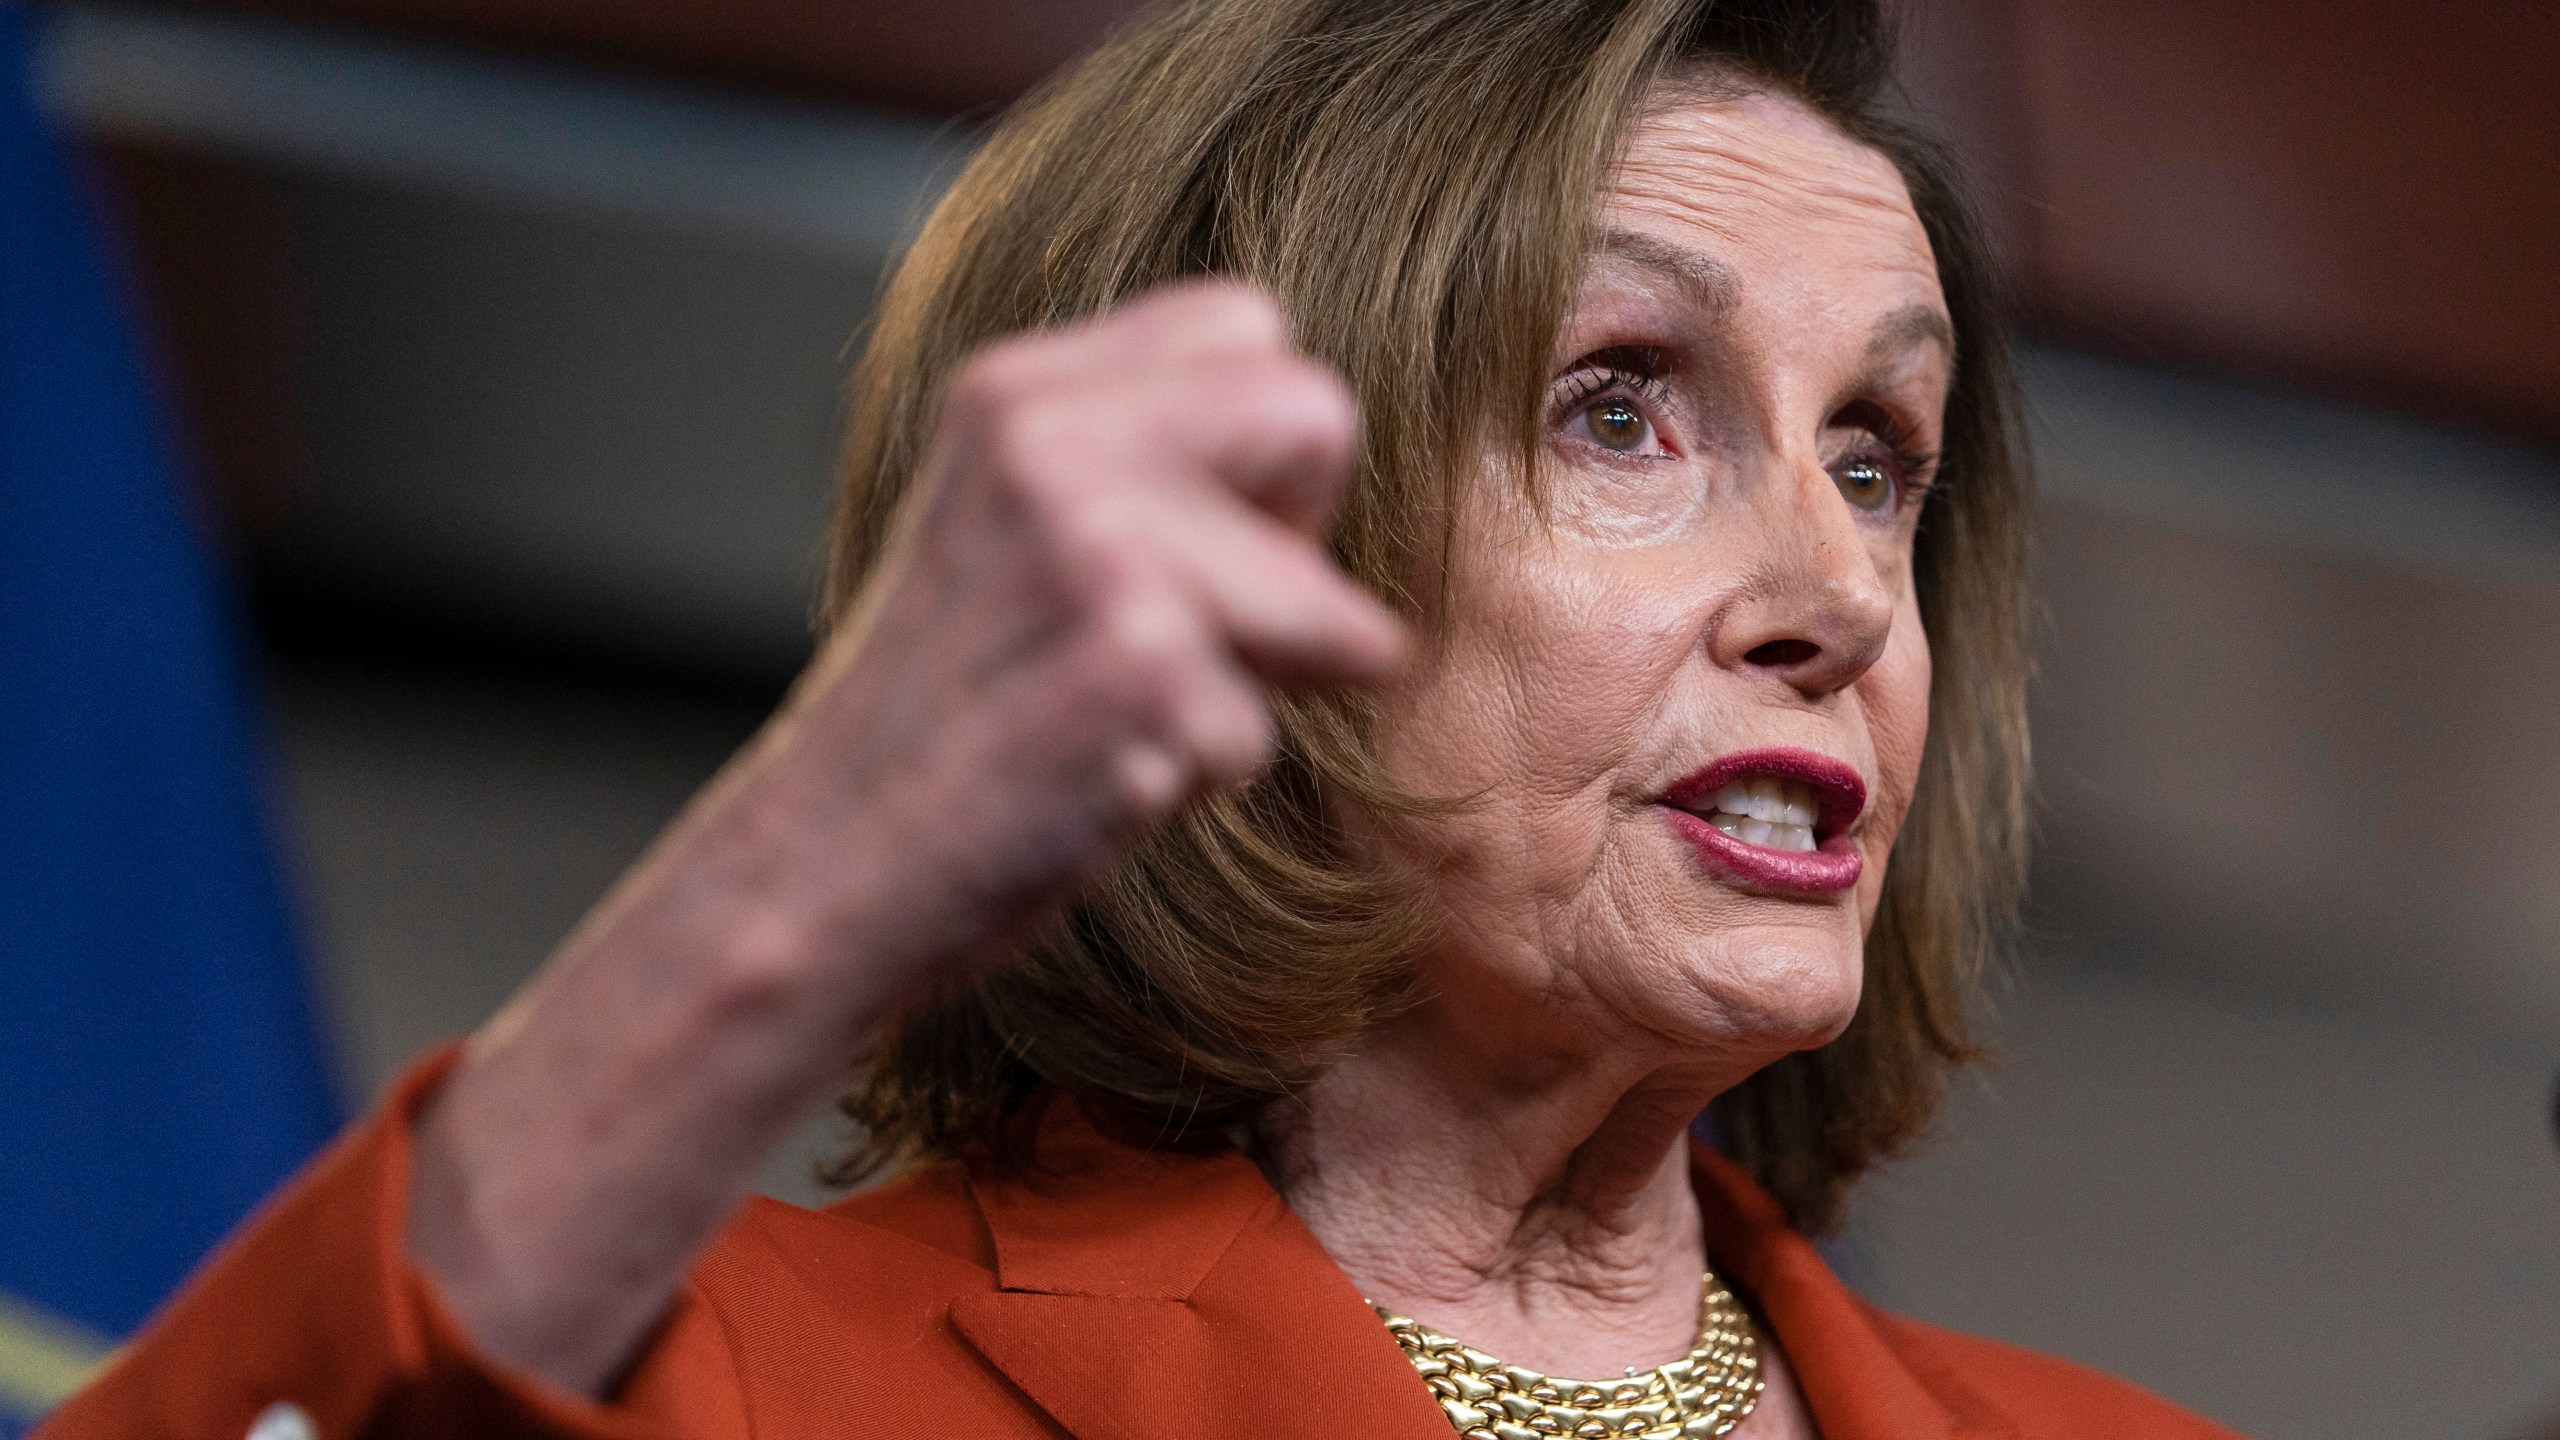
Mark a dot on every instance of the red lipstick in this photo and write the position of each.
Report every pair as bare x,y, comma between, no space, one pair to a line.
1833,865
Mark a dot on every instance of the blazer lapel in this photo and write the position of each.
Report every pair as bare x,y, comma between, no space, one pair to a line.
1176,1297
1856,1382
1147,1296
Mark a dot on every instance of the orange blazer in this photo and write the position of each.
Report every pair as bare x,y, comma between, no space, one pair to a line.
1126,1296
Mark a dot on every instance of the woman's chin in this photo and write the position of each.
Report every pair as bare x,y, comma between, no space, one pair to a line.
1772,991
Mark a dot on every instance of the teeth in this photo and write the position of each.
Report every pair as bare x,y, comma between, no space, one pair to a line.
1763,811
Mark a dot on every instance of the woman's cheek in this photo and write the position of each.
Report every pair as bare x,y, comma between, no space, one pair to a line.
1896,701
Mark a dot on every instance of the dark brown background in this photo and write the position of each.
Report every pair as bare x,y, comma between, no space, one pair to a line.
2356,194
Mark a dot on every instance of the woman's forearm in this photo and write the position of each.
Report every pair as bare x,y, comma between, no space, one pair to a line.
1111,554
599,1132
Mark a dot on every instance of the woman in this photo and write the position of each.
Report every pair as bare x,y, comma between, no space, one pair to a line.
1250,948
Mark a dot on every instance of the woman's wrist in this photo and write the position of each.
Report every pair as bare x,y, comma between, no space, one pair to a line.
694,1015
774,915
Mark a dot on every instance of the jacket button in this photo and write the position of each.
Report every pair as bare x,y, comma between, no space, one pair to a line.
283,1420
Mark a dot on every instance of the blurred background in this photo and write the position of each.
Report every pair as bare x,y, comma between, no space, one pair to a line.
501,342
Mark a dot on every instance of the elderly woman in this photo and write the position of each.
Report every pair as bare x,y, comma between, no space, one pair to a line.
1318,778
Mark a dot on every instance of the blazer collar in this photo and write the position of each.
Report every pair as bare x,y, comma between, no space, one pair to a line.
1146,1296
1856,1381
1092,1215
1151,1296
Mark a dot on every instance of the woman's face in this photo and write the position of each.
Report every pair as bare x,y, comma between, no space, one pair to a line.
1686,682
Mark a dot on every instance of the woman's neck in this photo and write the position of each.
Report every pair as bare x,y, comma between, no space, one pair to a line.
1536,1207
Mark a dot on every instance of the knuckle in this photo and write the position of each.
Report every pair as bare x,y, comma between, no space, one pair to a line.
1067,452
1292,393
1096,552
1031,443
996,376
1232,734
1220,313
1100,579
1330,401
1104,577
1242,311
1127,669
1148,779
1318,395
1150,650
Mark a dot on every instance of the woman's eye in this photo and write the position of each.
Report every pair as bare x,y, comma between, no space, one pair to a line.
1617,425
1865,482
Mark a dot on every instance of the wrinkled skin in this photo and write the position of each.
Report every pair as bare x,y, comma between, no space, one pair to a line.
1113,566
1709,588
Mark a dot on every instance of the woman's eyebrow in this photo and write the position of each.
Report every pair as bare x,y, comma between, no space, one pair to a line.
1710,283
1907,329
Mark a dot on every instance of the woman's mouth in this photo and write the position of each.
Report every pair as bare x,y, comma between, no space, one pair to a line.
1773,819
1764,811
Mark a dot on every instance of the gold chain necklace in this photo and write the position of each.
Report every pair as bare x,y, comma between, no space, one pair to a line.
1705,1393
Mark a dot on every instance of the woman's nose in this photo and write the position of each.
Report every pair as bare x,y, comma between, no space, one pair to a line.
1817,611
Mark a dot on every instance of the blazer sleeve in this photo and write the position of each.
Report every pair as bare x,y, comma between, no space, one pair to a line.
310,1321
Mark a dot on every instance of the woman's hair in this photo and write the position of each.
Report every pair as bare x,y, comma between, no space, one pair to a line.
1414,180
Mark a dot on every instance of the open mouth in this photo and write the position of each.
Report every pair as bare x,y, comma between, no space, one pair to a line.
1765,811
1775,818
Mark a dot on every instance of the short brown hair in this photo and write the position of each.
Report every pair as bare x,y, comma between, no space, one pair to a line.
1414,180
